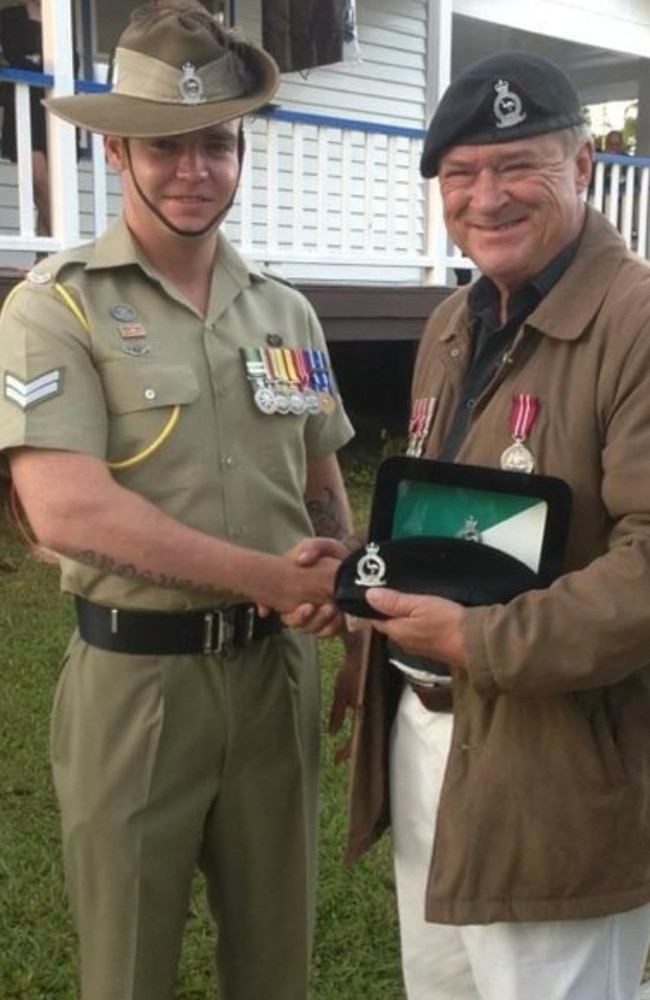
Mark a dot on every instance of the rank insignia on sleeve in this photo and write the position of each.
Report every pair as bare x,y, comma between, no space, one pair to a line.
36,390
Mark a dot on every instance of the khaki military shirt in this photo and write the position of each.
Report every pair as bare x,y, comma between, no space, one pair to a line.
162,393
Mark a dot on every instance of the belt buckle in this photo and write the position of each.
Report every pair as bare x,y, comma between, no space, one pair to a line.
225,632
228,635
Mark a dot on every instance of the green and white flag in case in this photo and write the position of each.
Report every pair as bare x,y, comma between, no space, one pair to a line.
512,523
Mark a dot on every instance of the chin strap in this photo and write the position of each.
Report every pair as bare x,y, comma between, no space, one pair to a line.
189,234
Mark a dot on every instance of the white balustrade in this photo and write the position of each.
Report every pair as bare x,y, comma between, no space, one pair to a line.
315,191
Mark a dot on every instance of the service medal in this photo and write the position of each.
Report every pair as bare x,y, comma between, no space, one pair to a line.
282,402
517,458
319,380
265,400
310,399
523,414
297,404
420,425
327,402
312,402
263,395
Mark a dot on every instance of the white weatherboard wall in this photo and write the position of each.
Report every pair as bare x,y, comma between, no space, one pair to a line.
336,198
387,86
9,209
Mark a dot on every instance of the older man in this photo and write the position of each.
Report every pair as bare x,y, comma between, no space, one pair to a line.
520,798
171,424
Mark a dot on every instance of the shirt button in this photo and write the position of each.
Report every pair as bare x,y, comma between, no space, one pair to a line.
149,393
228,461
470,404
454,352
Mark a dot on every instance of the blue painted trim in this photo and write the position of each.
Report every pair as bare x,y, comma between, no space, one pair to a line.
90,87
351,124
26,76
12,75
625,160
272,111
283,115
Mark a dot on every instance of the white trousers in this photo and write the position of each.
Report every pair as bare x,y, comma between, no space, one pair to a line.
597,959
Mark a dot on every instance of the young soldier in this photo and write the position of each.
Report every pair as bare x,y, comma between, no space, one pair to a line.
171,424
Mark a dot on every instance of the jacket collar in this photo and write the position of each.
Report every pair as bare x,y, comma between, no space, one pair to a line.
563,313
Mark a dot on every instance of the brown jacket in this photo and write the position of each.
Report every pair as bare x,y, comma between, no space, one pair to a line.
545,807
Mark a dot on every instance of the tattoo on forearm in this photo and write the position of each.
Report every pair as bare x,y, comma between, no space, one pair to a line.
325,516
132,572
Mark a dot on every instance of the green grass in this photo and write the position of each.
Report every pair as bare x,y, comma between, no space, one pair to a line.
356,951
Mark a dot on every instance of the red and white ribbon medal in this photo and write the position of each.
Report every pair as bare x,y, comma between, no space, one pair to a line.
523,414
420,425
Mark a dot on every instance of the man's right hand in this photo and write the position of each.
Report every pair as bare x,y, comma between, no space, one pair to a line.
296,586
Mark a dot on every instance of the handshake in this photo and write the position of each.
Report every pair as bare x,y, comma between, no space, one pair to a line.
304,586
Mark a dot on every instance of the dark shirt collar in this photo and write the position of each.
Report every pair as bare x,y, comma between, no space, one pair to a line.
484,299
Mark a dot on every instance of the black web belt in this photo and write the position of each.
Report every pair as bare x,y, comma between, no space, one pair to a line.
163,633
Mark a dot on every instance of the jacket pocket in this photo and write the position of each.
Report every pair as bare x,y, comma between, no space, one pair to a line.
141,399
134,386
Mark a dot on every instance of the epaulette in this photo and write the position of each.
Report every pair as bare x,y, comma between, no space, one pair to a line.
279,278
48,270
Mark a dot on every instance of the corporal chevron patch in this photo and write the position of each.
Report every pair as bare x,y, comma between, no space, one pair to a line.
36,390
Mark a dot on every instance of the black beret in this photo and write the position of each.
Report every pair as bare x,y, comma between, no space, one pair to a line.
508,96
461,570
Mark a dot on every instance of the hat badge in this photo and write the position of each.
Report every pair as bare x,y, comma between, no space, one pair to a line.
470,530
371,568
507,106
191,85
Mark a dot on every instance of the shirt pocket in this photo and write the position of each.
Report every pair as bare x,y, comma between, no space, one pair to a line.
142,400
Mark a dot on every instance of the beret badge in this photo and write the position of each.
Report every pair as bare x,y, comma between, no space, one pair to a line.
507,106
371,568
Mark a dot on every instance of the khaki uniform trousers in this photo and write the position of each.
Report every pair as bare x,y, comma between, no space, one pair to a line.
163,763
596,959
